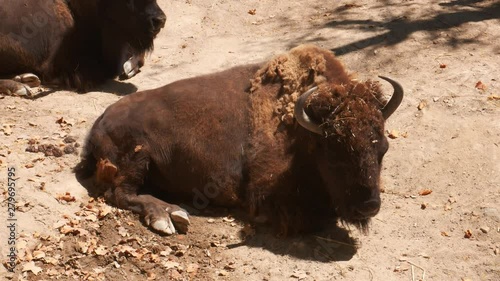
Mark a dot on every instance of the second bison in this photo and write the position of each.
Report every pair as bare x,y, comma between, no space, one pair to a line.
256,136
76,44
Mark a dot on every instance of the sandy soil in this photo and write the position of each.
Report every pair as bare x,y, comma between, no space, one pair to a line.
445,53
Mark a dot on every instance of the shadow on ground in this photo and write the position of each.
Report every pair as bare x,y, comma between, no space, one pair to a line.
399,28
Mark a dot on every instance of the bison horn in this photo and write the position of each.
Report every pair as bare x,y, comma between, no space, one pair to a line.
395,100
302,117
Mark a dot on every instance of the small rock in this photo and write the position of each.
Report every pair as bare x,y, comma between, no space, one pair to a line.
69,149
57,152
69,139
484,229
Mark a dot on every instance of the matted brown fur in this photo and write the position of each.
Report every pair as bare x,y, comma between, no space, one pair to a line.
76,44
246,147
275,89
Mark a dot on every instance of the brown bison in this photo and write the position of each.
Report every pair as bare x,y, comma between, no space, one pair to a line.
247,137
76,44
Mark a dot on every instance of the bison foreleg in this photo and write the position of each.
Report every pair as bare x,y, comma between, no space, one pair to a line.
161,216
13,88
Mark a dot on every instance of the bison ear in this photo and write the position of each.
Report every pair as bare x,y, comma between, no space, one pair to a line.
106,171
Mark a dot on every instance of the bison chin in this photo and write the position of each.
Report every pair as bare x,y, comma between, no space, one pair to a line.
354,203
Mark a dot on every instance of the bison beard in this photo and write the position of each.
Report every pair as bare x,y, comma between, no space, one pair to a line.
76,44
299,160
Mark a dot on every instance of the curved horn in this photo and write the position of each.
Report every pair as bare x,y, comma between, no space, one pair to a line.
395,100
302,117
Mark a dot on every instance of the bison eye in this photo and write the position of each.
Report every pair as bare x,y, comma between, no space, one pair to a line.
383,147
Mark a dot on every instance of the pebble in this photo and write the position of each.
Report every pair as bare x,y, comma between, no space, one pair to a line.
484,229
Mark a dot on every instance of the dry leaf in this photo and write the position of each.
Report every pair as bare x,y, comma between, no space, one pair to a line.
494,97
170,264
104,211
393,134
480,86
122,231
52,272
424,192
66,197
101,251
422,105
442,65
38,255
30,266
468,234
50,260
252,11
166,252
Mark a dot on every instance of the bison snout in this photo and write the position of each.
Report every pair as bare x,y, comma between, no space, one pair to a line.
157,22
368,208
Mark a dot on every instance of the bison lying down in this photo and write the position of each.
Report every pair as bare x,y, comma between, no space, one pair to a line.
77,43
255,136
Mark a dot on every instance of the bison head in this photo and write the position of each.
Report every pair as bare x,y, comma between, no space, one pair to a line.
139,21
348,121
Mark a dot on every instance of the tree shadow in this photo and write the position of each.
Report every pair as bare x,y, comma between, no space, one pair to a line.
399,29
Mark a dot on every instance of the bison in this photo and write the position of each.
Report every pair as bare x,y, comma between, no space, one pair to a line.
76,44
295,141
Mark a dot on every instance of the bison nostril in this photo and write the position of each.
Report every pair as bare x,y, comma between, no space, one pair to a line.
368,208
158,22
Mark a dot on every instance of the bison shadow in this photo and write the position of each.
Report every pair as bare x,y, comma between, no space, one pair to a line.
116,87
112,87
332,244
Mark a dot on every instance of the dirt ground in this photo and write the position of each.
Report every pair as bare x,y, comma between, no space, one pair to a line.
446,54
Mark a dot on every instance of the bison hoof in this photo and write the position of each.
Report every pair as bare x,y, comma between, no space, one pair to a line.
130,68
178,220
13,88
29,79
